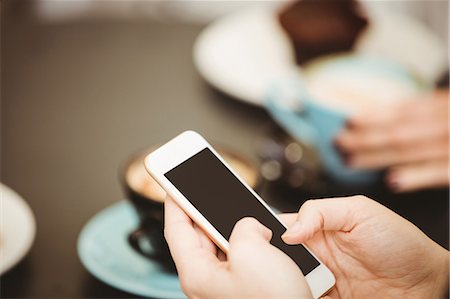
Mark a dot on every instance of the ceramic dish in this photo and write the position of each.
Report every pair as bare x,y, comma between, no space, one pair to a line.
242,53
105,252
17,229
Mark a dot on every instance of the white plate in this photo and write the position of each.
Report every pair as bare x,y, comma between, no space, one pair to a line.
17,228
242,53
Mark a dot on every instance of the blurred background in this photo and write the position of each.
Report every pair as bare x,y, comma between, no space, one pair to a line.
89,87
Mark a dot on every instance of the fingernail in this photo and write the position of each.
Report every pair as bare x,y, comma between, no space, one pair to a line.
394,182
348,159
336,144
293,230
349,124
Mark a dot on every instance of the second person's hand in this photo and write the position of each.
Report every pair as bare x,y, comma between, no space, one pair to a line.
410,139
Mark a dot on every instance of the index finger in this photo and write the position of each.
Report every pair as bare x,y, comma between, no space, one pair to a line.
333,214
288,218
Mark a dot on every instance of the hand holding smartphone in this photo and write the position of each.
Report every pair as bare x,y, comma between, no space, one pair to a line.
215,198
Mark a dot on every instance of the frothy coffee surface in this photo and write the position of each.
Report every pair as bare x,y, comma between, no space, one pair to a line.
139,180
354,92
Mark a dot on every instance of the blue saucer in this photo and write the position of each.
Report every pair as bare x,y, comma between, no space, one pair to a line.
104,251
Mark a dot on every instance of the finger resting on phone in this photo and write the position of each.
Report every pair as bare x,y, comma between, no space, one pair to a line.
249,229
184,242
173,213
288,218
248,234
205,241
332,294
334,214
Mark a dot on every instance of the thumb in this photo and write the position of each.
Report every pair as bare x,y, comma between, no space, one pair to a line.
248,236
334,214
258,264
251,230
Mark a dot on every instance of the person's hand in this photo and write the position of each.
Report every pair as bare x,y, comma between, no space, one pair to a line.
410,138
253,267
373,252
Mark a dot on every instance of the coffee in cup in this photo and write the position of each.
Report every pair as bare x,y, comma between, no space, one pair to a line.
352,90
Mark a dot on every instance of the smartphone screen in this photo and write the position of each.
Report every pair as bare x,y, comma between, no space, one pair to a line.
219,196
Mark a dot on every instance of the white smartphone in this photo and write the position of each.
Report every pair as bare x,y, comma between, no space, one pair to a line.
215,198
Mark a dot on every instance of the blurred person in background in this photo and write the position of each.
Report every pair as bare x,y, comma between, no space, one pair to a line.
410,139
372,251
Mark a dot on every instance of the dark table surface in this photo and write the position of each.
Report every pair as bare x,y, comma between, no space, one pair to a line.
79,97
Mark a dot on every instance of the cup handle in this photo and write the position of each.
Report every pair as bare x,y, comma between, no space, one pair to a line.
135,239
292,121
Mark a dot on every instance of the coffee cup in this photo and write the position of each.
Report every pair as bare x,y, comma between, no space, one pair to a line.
148,197
313,104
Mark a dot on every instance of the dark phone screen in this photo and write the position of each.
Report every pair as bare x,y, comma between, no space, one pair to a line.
223,200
